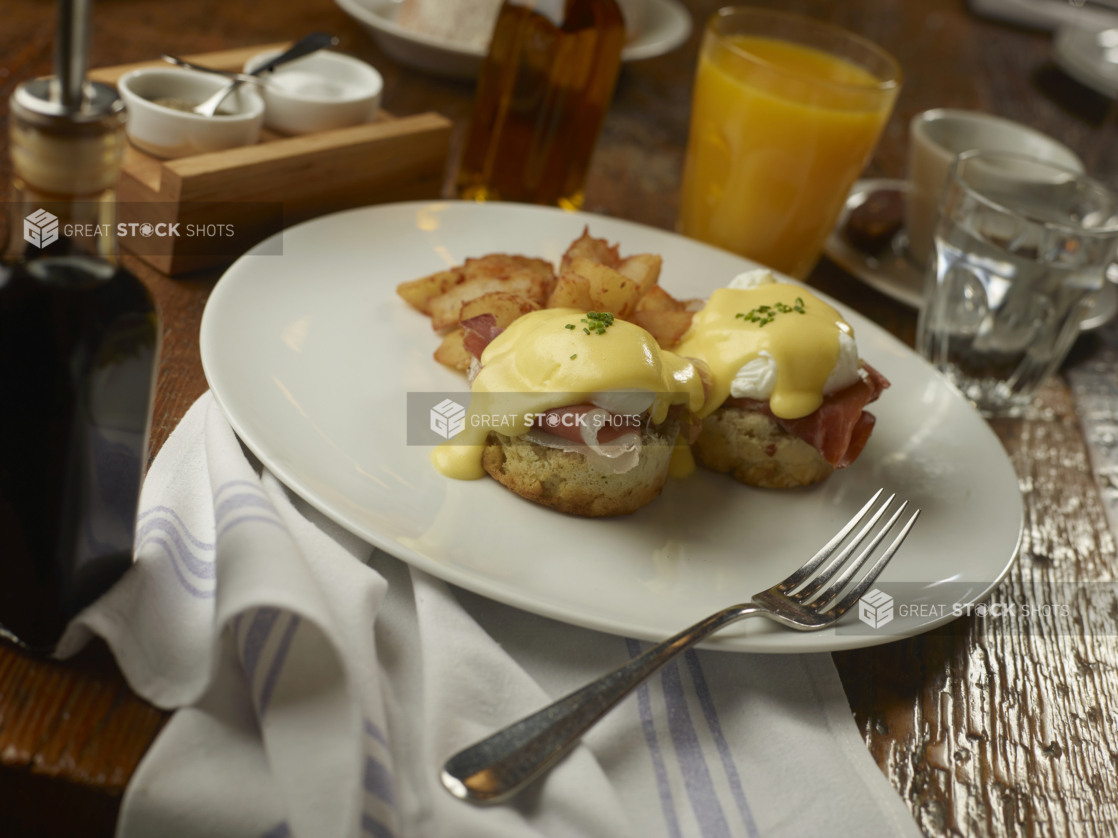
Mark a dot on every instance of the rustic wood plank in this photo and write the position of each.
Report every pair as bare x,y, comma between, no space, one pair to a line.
1005,726
70,737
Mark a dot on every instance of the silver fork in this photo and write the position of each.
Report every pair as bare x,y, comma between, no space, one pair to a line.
496,768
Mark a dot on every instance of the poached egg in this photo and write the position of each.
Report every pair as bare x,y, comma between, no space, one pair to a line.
548,359
773,342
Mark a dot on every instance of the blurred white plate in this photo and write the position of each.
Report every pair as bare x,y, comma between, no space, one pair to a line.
1049,14
891,272
311,356
667,26
1089,54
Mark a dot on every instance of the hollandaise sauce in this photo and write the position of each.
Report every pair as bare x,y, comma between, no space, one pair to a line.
796,329
549,359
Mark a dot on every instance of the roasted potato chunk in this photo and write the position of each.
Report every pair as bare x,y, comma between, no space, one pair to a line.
657,299
506,266
495,268
571,291
592,277
419,292
452,351
446,309
588,247
608,290
666,326
503,306
643,268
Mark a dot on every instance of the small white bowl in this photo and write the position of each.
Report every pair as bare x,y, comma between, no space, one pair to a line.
319,92
168,133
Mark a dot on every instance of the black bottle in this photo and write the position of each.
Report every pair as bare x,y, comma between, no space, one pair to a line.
79,349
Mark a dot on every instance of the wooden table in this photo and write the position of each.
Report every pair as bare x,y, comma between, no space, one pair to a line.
981,731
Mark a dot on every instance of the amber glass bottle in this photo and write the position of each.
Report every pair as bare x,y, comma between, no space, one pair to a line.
79,348
542,94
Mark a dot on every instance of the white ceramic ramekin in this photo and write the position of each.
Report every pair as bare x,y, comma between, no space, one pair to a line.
167,133
319,92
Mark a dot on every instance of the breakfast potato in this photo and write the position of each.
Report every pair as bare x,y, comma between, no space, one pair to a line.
586,246
668,327
505,307
446,309
497,267
609,290
592,277
571,291
419,292
507,266
657,299
452,351
643,268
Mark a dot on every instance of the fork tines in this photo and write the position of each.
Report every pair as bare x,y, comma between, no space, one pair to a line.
820,592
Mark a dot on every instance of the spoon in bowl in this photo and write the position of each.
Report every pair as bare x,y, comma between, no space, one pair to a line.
190,65
304,46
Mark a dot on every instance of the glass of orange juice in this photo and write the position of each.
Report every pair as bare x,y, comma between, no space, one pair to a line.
786,114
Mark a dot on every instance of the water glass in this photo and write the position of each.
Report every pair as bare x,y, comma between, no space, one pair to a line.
1021,247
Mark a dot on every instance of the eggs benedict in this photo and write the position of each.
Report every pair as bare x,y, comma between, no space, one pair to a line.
575,410
787,387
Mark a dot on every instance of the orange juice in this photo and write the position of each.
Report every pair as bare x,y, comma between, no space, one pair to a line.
779,133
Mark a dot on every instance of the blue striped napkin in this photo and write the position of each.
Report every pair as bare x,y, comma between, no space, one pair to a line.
320,684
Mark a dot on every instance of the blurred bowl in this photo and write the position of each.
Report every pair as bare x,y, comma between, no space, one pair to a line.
664,26
320,92
168,132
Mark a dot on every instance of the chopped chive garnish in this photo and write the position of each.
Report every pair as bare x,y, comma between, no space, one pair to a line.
597,322
574,356
765,314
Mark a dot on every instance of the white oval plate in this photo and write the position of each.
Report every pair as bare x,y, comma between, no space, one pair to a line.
668,24
311,356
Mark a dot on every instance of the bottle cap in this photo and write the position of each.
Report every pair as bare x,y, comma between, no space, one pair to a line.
66,151
37,102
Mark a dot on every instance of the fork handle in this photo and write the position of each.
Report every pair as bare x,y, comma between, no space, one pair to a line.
497,767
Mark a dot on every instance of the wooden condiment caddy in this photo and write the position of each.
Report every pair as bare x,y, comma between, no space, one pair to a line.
388,159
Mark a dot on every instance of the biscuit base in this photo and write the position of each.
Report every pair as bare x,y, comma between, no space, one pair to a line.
564,481
757,451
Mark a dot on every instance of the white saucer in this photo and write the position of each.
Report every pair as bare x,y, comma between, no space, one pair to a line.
668,24
1087,58
893,273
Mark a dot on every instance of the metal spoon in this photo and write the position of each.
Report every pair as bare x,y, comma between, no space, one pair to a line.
305,46
189,65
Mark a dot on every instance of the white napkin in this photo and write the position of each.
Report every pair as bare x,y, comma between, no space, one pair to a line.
320,685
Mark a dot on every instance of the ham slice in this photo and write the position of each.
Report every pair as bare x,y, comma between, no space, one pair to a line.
568,423
479,331
610,442
840,428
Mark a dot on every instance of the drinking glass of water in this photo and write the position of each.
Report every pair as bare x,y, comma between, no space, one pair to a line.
1021,248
